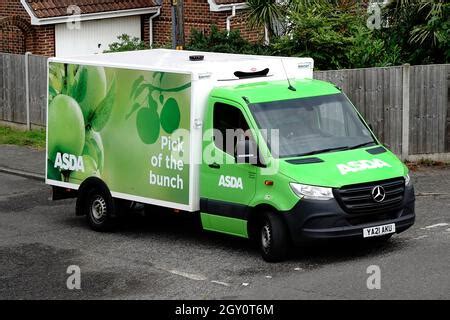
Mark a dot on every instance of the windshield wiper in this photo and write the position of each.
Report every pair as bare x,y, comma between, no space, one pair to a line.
361,145
322,151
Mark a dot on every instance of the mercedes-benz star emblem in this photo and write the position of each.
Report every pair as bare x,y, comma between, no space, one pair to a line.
378,193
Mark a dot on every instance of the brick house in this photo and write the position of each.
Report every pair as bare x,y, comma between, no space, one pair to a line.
40,26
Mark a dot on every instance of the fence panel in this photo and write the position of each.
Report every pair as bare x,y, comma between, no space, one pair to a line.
13,84
12,87
38,89
377,94
429,123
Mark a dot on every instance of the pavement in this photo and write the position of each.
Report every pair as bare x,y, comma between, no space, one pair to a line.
169,258
24,161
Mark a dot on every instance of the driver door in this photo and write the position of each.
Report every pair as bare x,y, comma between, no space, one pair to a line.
226,187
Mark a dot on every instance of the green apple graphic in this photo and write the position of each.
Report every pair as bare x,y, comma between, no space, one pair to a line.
66,127
148,119
91,88
147,124
170,116
93,147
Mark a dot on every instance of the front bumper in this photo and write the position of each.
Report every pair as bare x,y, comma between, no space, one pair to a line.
315,219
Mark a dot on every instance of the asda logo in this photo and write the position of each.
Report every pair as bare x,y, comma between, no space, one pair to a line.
361,165
70,162
230,182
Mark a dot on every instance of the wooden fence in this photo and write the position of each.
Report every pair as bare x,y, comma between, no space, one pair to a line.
380,94
13,96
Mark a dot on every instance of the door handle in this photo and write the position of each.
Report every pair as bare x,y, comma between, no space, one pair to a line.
214,165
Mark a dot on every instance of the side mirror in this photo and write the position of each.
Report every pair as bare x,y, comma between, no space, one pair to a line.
246,152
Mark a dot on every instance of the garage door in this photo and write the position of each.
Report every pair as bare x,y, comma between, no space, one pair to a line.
94,36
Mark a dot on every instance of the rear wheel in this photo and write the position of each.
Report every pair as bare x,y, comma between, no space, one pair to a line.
273,238
97,204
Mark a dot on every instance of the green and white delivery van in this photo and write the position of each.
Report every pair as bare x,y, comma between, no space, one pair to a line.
252,144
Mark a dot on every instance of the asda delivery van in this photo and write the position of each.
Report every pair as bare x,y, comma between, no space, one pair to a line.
252,144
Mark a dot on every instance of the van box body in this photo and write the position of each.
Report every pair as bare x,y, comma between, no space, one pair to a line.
189,83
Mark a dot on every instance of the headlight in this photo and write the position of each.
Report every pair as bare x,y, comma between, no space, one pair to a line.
407,180
312,192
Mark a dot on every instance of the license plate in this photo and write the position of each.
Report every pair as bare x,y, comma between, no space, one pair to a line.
379,230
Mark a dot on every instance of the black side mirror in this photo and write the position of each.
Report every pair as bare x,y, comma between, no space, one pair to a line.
246,152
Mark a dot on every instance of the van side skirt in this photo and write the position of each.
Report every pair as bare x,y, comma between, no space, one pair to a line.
225,217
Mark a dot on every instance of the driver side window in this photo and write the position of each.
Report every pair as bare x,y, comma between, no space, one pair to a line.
230,123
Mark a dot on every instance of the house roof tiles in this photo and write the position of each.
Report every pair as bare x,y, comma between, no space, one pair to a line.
53,8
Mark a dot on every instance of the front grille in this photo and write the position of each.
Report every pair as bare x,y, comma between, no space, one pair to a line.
357,198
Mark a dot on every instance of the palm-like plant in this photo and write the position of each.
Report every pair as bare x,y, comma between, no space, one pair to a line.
265,13
429,15
340,5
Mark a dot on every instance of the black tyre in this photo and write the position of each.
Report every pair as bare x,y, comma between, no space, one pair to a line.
98,206
273,238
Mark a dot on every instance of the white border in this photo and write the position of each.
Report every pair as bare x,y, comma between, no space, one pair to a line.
79,61
46,121
125,196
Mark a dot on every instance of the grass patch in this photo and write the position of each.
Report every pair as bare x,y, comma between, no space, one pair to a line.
33,138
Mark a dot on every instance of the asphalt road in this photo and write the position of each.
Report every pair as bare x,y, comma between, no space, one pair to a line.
170,259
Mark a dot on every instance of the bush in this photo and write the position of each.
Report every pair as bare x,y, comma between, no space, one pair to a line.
368,50
322,33
421,28
127,43
219,41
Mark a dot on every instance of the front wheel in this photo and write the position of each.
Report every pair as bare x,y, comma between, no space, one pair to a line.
273,238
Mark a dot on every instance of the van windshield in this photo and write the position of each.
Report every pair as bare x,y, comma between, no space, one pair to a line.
312,125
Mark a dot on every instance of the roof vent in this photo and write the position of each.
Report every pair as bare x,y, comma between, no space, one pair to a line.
256,74
196,58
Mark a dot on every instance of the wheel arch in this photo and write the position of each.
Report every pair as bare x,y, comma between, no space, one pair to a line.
88,184
256,214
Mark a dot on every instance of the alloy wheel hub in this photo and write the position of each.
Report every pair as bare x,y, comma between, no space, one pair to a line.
98,208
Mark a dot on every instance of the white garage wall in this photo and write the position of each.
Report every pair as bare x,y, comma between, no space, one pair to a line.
85,40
